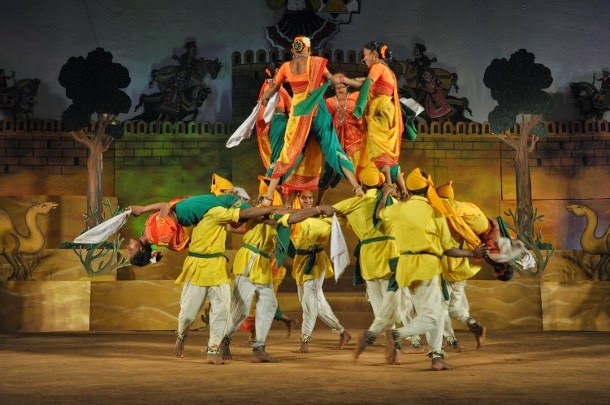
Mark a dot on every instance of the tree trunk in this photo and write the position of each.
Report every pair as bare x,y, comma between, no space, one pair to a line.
95,174
525,211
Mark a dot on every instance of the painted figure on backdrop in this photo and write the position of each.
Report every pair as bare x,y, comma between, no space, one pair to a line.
435,102
318,20
19,99
182,90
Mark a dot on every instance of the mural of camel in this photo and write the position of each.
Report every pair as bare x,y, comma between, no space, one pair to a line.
592,244
13,244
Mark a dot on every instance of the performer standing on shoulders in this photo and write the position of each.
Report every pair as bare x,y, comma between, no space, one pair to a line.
305,73
383,125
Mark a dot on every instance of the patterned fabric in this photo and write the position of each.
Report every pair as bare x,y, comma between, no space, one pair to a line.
383,123
301,152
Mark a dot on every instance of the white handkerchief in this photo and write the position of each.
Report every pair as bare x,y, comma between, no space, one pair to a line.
338,248
527,261
412,105
509,249
103,231
270,108
245,129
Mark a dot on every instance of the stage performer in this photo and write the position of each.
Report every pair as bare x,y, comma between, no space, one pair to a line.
383,125
302,152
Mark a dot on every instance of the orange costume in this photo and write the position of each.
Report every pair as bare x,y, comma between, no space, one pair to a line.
383,123
349,128
165,232
296,138
262,127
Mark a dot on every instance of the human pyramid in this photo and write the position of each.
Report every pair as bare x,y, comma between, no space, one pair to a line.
415,241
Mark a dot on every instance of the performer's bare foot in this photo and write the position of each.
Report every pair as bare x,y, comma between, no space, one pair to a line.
225,349
438,364
290,323
215,358
304,348
360,345
261,356
179,348
344,337
479,332
397,354
390,347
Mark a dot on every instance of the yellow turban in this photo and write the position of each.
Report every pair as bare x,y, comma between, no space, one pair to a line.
416,181
220,184
371,176
263,187
446,191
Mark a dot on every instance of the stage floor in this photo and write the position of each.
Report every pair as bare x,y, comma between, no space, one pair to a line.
139,367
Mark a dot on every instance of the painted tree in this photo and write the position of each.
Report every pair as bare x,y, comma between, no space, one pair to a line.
517,85
93,84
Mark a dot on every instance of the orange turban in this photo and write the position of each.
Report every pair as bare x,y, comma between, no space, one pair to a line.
371,176
220,184
446,191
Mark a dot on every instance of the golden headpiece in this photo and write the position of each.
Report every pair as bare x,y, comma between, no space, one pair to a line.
300,43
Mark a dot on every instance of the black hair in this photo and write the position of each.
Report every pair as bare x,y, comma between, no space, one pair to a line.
272,66
142,257
378,47
502,271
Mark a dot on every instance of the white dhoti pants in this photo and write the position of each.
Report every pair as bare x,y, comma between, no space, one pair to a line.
387,308
427,299
457,307
266,304
192,300
314,305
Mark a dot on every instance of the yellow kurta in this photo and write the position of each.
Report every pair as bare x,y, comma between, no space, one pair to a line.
209,236
422,236
374,256
262,237
460,268
312,232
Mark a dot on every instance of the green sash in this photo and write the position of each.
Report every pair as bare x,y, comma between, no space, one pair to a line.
357,272
311,257
314,98
256,250
363,97
207,255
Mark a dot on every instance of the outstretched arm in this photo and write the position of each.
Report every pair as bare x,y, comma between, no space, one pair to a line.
255,212
303,214
478,252
162,207
355,83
